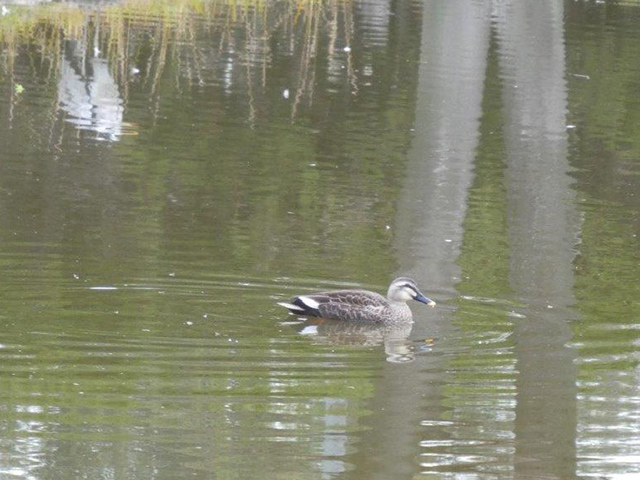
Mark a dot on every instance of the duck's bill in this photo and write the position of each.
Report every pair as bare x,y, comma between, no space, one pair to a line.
421,298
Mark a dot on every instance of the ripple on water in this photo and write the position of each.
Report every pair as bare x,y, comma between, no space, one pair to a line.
474,433
123,366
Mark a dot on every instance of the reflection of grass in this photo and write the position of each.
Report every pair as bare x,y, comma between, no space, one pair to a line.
173,32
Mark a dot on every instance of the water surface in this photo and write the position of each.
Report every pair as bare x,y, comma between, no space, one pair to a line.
170,170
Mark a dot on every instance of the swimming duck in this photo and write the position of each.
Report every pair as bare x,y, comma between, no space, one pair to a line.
361,305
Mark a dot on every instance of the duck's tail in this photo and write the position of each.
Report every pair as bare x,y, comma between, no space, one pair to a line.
302,305
292,308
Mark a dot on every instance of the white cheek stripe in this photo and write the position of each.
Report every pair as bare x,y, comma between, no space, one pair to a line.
309,302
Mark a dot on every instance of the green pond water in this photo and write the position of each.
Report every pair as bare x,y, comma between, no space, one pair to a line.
169,170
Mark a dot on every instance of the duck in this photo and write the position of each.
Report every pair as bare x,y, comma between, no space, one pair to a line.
362,305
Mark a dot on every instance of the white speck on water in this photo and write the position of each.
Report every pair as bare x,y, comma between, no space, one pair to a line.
388,227
448,240
135,71
569,127
581,75
516,315
312,164
204,316
285,94
76,276
172,274
145,330
103,288
347,49
117,312
189,323
549,306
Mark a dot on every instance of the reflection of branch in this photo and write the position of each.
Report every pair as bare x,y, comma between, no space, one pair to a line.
312,57
333,31
348,33
308,51
265,57
195,52
12,97
96,35
161,57
226,33
118,51
252,110
123,56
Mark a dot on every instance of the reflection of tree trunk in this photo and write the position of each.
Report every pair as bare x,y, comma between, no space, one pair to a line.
542,234
455,37
433,202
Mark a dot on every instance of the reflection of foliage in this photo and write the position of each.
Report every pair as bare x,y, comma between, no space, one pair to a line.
484,256
175,38
603,62
604,93
608,289
606,148
207,72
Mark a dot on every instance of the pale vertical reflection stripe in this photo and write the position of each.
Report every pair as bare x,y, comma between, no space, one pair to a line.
543,229
454,42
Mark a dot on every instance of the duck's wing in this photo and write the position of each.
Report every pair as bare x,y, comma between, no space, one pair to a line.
341,304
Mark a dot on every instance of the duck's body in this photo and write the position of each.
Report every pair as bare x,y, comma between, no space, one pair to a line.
361,305
351,305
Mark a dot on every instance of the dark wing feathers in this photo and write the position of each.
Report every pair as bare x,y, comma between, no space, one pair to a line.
346,305
350,297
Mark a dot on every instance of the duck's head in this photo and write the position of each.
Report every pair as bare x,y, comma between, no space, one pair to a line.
403,289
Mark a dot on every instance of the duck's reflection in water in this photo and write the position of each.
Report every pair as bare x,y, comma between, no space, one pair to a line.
395,338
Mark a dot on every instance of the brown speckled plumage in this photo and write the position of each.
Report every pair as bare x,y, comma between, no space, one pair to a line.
361,305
